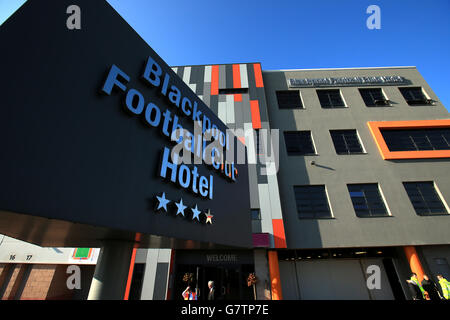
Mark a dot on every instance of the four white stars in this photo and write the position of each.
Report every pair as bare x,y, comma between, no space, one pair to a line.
181,207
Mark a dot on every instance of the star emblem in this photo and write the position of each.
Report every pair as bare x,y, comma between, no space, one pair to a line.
180,207
196,213
162,202
209,217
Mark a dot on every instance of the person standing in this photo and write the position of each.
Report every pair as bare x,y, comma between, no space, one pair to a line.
212,291
188,294
445,286
430,287
416,288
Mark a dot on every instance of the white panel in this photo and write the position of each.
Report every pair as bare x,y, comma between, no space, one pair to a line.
250,143
175,69
193,86
208,71
264,201
187,74
164,255
275,203
222,112
244,75
148,284
230,109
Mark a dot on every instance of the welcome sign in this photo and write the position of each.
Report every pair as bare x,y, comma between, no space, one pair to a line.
100,140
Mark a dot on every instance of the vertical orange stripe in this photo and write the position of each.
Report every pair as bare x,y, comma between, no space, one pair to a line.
237,97
130,274
275,279
215,80
258,75
414,262
256,118
236,76
137,238
278,233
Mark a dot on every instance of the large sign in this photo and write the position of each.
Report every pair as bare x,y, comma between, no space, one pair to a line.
346,81
101,140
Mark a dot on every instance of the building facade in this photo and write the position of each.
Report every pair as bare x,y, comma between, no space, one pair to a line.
347,204
353,179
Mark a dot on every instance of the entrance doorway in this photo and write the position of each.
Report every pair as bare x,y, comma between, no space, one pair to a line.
228,270
230,282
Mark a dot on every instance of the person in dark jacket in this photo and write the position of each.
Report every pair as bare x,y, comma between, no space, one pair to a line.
212,291
430,287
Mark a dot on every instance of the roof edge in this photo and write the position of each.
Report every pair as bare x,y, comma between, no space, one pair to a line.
328,69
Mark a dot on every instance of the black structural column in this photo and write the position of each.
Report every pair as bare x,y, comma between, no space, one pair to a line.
111,273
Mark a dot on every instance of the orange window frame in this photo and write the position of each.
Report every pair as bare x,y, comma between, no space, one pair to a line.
375,128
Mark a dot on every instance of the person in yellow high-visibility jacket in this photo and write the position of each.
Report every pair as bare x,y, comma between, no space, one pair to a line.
445,286
416,286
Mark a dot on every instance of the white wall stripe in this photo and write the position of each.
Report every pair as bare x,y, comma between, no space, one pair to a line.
222,112
208,71
230,109
244,75
250,143
264,201
187,74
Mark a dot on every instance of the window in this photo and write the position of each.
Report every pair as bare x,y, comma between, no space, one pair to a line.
256,214
289,99
367,200
312,202
233,91
424,198
414,96
408,139
299,143
373,97
330,99
417,139
346,142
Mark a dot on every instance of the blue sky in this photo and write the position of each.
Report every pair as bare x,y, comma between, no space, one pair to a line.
294,34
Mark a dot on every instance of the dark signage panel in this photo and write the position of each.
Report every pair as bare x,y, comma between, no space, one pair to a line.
88,119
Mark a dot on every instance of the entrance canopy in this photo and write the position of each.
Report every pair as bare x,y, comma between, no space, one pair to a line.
87,124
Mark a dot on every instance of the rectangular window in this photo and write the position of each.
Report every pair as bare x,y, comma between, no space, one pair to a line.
289,99
346,142
417,139
299,143
312,202
233,91
367,200
424,198
412,139
330,98
414,96
373,97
